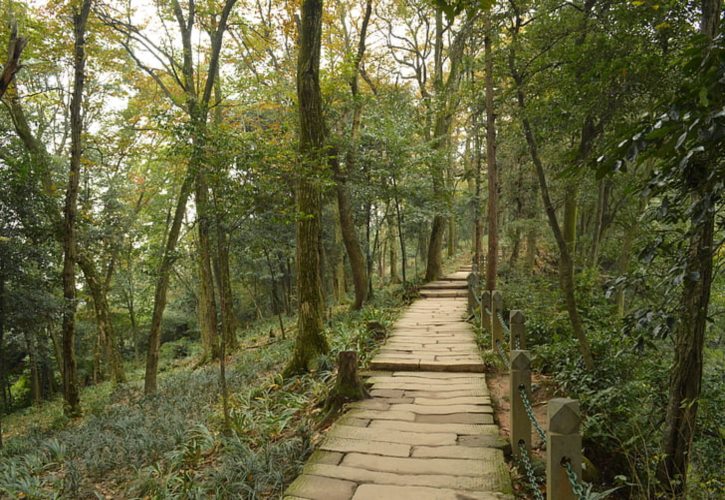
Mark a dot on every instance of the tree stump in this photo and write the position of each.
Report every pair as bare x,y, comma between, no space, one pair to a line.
376,329
348,386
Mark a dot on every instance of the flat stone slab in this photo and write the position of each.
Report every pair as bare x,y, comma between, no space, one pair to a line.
321,487
396,465
460,429
334,443
379,492
427,432
394,436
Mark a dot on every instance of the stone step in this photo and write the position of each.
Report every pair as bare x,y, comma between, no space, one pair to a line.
440,294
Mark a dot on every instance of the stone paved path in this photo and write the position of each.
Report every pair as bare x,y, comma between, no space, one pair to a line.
427,433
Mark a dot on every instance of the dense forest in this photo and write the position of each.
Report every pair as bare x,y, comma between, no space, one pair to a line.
203,202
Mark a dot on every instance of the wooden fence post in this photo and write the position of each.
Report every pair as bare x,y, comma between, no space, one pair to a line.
486,304
472,291
496,327
518,330
563,443
520,380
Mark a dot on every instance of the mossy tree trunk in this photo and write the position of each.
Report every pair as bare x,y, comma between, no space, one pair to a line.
311,341
71,392
689,335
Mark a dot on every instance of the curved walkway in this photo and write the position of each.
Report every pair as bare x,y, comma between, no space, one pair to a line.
427,432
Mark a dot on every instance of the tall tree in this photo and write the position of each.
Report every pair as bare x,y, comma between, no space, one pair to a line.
16,44
71,393
492,167
195,102
311,341
699,180
344,203
566,263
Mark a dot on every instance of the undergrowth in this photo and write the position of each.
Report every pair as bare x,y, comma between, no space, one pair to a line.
624,397
170,445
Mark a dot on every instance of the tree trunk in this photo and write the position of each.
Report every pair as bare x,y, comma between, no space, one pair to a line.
570,218
686,375
492,259
401,235
434,266
206,306
360,275
531,249
598,222
393,257
689,336
72,406
109,344
311,341
16,44
566,267
162,282
2,345
339,267
623,266
352,244
224,284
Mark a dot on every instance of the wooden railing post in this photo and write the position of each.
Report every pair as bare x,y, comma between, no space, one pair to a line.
472,291
486,304
563,443
518,330
520,373
496,328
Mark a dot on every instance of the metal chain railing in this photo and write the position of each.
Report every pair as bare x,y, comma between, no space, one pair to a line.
530,412
502,353
504,326
529,468
576,486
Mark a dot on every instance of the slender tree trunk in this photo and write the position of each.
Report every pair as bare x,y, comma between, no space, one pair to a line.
566,265
393,257
352,245
531,249
2,344
72,407
206,306
478,216
598,222
224,285
623,266
492,259
368,249
339,266
360,275
311,341
570,218
108,343
401,235
276,300
162,281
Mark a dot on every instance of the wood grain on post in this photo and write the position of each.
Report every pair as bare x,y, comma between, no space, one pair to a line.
520,373
496,327
563,443
518,330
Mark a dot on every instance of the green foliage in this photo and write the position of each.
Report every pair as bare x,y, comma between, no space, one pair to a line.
622,398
